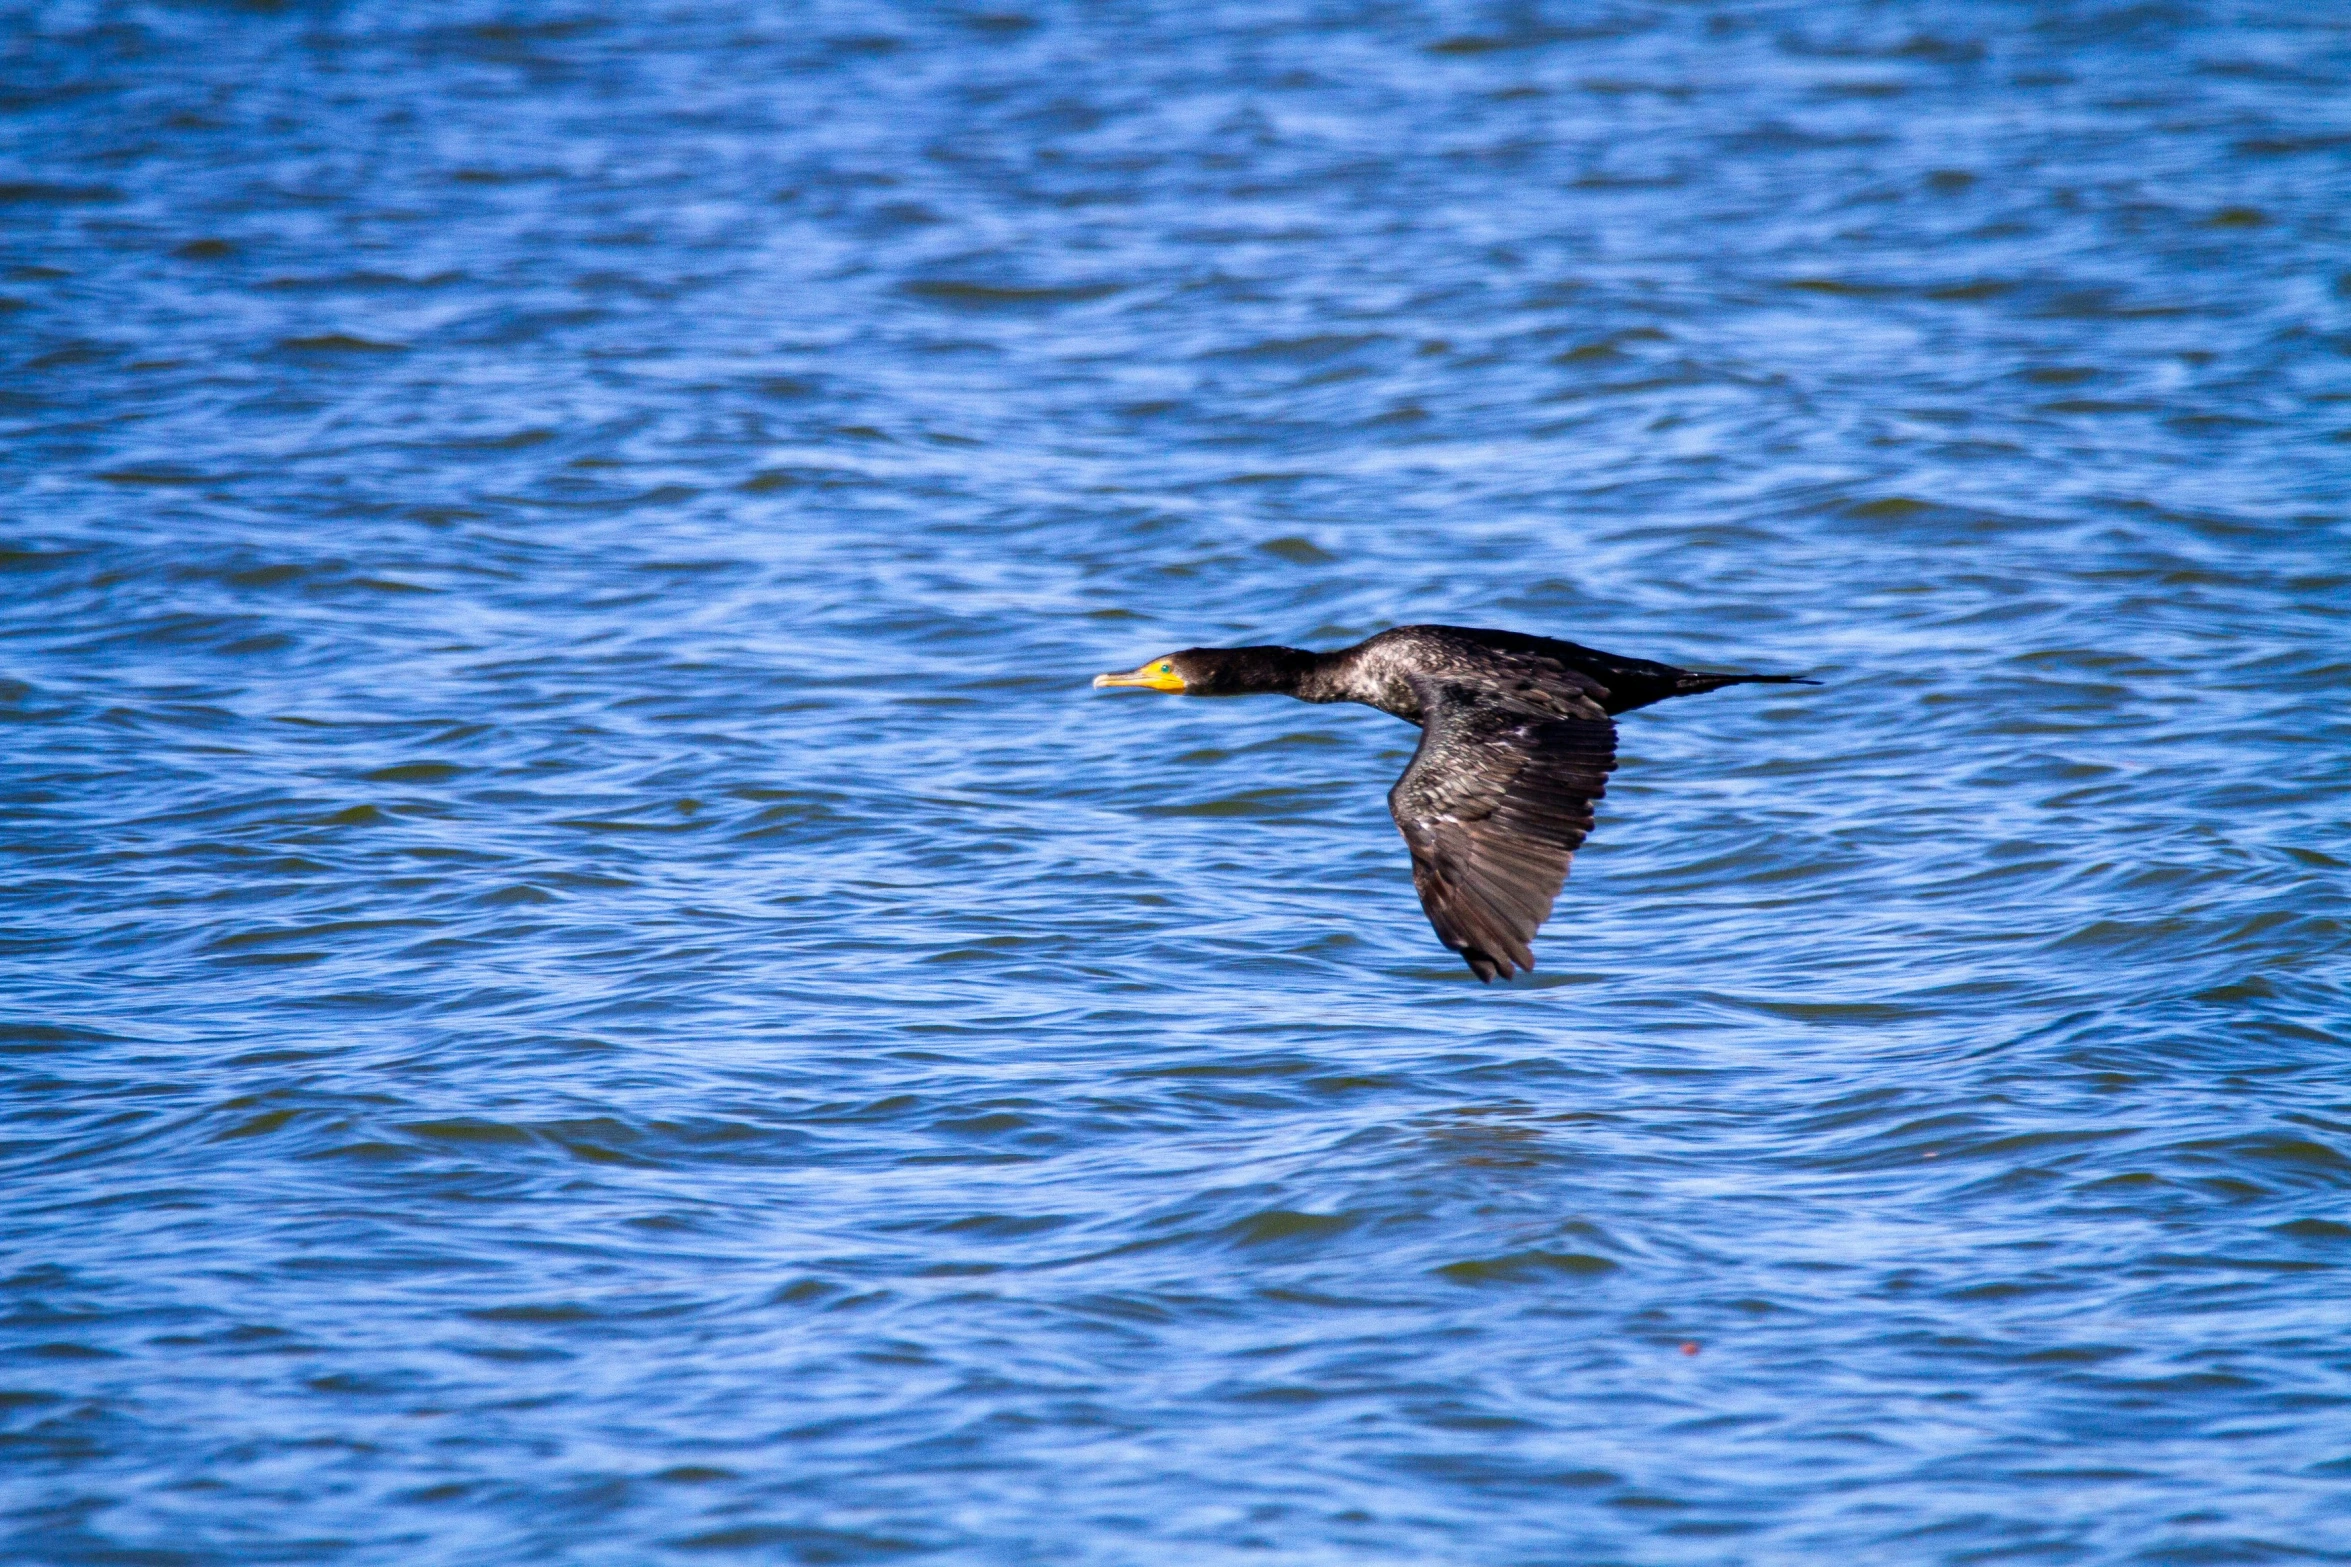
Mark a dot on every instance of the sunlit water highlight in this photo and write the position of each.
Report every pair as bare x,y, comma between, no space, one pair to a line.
587,981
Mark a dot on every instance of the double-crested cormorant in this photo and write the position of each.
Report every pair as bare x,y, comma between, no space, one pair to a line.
1516,742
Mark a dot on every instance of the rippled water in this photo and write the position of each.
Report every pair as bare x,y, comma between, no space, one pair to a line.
587,981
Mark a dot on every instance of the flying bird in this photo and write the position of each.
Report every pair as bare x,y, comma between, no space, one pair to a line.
1517,739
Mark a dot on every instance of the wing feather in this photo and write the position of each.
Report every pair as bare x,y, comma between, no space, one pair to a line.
1496,801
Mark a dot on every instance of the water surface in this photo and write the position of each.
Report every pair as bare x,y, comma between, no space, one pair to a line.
588,983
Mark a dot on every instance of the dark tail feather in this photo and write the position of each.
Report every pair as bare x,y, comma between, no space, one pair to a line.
1692,683
1630,688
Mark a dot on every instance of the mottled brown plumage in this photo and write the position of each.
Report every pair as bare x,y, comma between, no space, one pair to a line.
1517,742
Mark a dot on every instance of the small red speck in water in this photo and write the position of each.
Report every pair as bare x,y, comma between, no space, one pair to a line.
1690,1348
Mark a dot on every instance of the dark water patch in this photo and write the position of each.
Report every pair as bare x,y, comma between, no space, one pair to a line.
1524,1267
415,772
1277,1227
330,343
986,296
358,282
159,477
23,193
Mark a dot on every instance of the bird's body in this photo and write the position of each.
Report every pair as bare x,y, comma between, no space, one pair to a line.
1517,742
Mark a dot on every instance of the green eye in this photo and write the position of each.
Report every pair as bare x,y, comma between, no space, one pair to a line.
1167,669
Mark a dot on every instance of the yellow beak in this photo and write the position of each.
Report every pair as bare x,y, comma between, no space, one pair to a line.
1154,676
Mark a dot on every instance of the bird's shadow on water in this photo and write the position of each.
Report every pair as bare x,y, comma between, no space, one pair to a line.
1463,979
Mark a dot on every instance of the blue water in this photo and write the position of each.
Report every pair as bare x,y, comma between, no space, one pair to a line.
587,982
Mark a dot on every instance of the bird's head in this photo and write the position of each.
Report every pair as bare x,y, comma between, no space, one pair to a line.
1178,673
1218,671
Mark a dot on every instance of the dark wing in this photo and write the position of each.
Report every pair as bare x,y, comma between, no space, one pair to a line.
1497,798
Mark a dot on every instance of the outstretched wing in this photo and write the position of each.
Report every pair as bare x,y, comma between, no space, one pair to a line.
1495,802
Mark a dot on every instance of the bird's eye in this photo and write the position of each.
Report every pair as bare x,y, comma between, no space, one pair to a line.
1167,669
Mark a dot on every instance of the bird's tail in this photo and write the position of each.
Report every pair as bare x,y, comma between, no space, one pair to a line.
1692,682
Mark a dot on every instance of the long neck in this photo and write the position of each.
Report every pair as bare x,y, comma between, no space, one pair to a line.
1360,674
1350,675
1266,671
